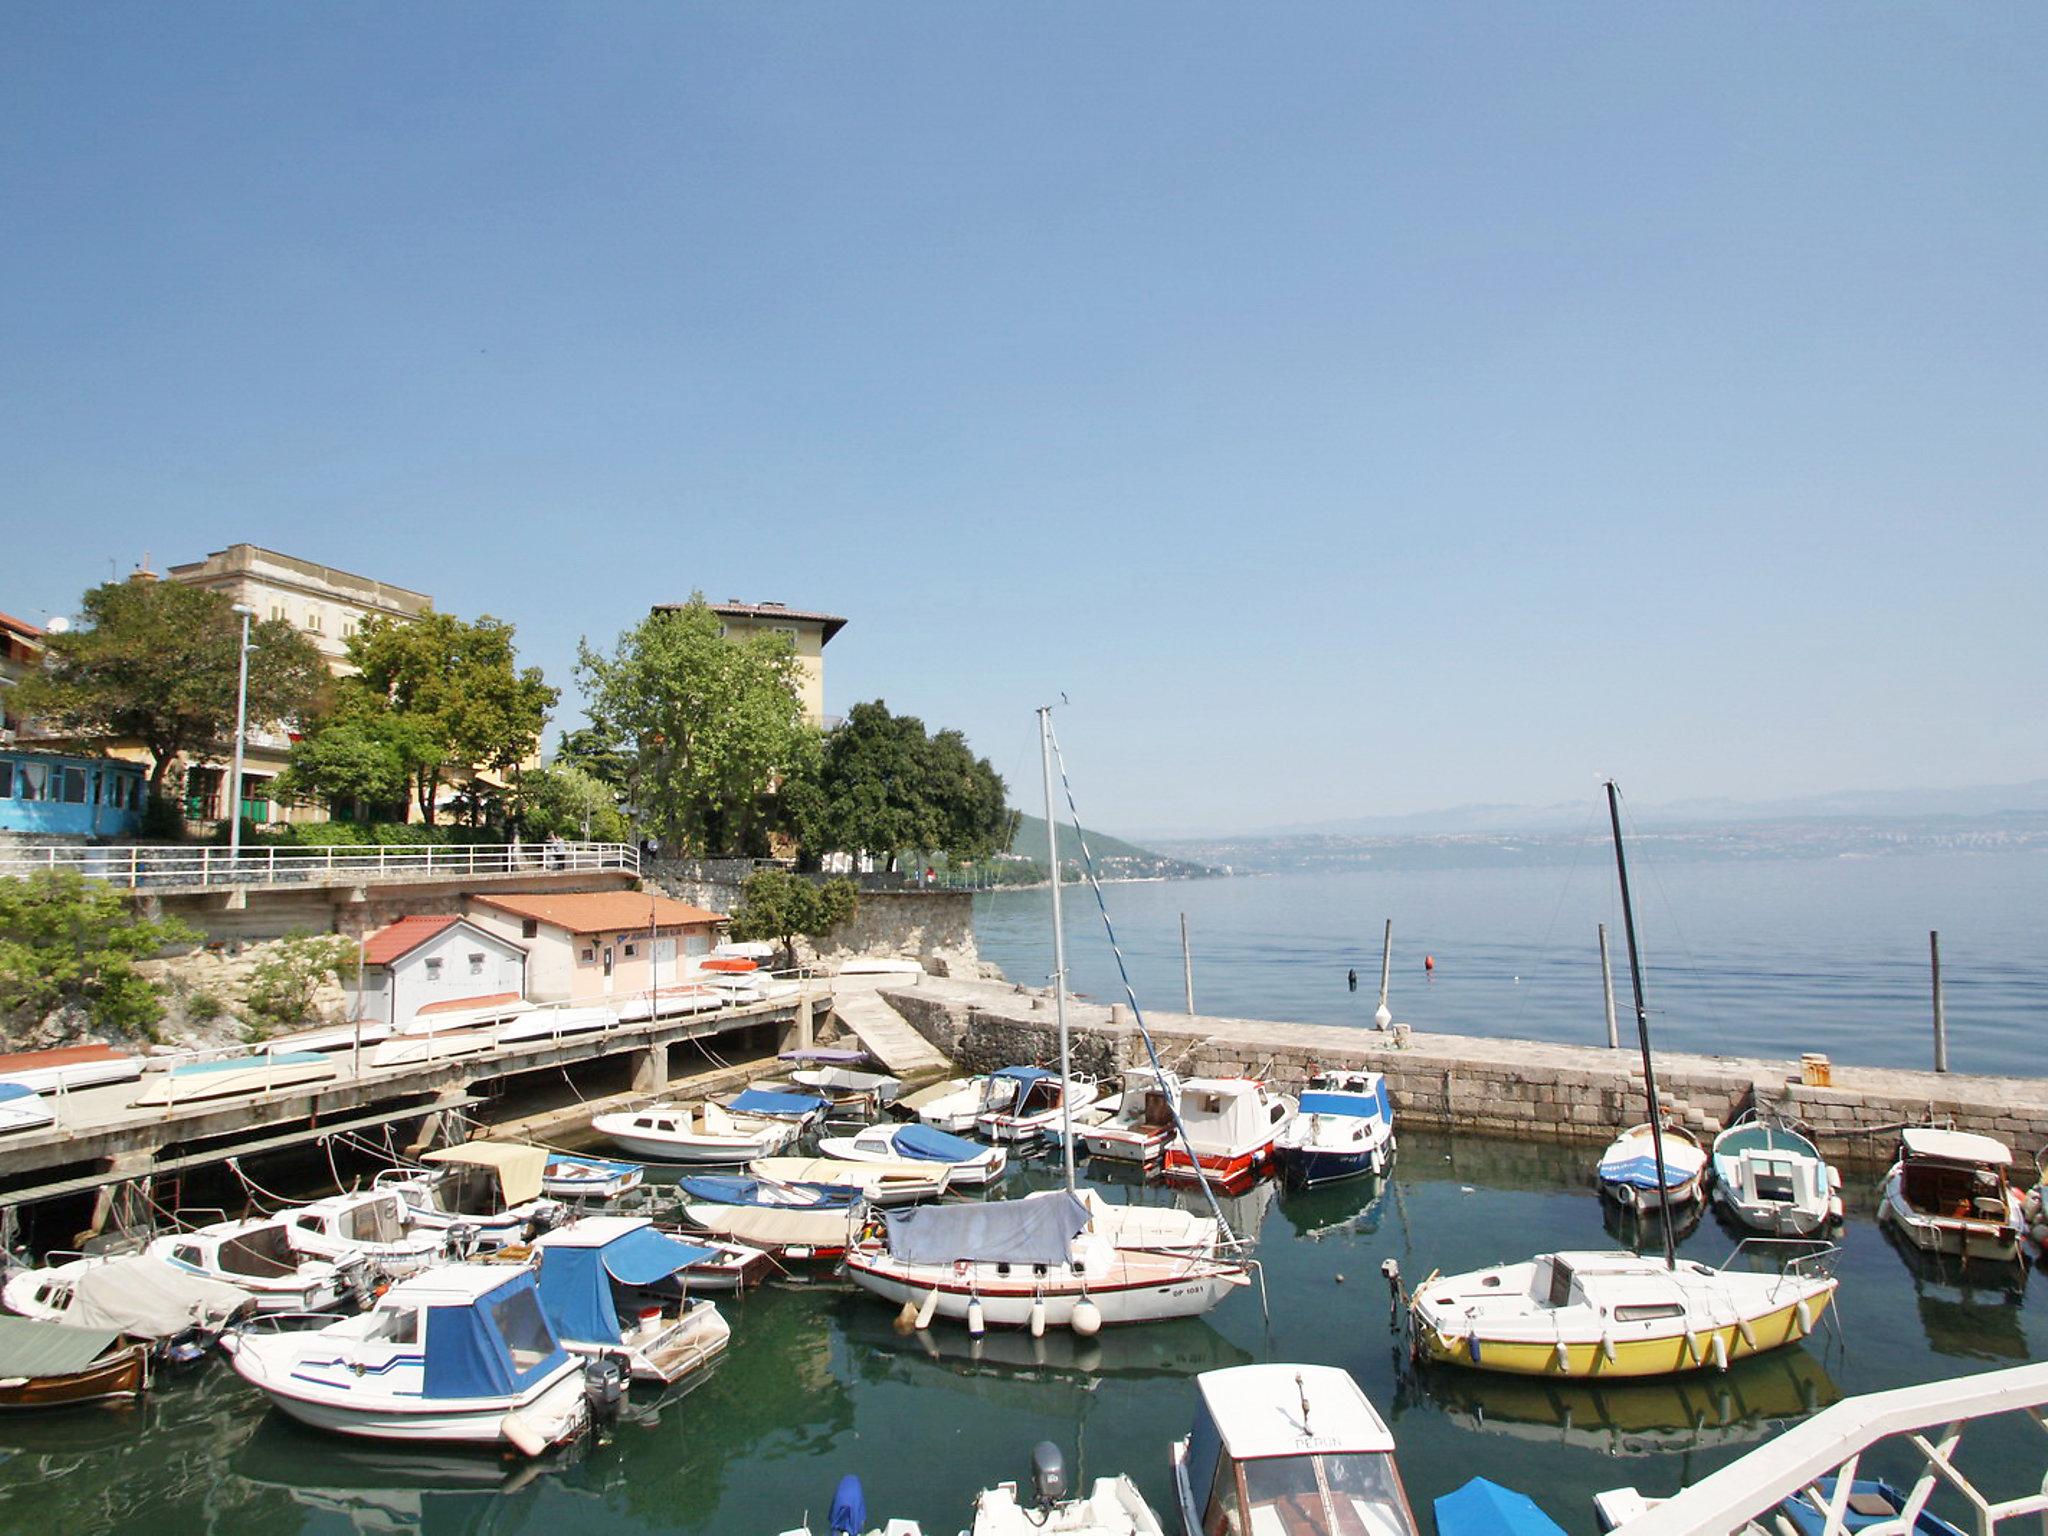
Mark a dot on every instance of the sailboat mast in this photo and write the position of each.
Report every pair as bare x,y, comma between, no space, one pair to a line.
1059,949
1635,976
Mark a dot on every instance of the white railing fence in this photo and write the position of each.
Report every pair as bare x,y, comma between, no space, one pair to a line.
1818,1460
139,867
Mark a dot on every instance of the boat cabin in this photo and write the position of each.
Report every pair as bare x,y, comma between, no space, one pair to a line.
354,1220
1348,1093
1020,1091
480,1328
1288,1450
1954,1174
257,1250
1226,1116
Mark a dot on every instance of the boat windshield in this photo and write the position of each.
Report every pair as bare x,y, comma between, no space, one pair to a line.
1774,1181
1353,1493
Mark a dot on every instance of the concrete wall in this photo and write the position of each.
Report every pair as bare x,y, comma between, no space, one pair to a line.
935,927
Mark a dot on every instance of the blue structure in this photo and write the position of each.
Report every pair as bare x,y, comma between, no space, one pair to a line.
52,793
1482,1508
779,1106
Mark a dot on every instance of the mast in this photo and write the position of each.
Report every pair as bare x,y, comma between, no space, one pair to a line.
1059,949
1635,976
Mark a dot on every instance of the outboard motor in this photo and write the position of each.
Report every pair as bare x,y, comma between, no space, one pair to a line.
605,1380
849,1507
1048,1474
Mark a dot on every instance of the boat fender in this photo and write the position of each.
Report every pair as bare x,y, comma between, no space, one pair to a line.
928,1309
906,1318
1748,1332
1625,1196
1607,1347
527,1440
1564,1358
1038,1317
1836,1210
1802,1315
1720,1348
1474,1343
977,1323
1087,1318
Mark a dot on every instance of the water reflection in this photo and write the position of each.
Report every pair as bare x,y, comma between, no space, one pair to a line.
1351,1206
1968,1312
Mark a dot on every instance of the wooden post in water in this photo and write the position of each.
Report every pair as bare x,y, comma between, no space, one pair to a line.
1187,964
1381,1018
1940,1014
1607,991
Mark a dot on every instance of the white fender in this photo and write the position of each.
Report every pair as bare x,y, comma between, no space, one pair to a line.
977,1325
1692,1348
1802,1315
524,1437
1087,1318
1748,1332
930,1308
1564,1356
1038,1317
906,1318
1720,1348
1607,1347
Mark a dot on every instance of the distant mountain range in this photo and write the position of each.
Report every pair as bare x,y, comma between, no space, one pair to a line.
1116,857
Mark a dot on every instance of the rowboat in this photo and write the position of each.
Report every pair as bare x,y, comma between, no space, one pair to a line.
569,1177
55,1365
457,1026
232,1076
1633,1179
1949,1192
969,1164
23,1109
1770,1178
69,1067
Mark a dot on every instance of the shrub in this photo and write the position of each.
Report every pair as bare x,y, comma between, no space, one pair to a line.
284,982
775,904
69,941
204,1007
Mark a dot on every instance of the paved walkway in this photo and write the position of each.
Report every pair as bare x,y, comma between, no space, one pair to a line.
858,1004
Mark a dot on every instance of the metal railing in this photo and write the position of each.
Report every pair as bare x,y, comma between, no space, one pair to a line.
1817,1461
139,867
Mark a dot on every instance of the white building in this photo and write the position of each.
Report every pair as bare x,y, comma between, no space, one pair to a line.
420,963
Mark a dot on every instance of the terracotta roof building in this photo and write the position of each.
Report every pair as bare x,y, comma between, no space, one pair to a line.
808,629
437,964
594,945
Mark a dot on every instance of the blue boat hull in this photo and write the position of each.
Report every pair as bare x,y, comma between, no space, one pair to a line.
1307,1167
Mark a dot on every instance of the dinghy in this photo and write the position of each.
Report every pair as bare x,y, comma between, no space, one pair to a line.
490,1190
233,1076
1770,1178
261,1257
461,1354
969,1165
1344,1128
458,1026
612,1285
1229,1125
1288,1447
1133,1127
366,1224
69,1067
139,1297
55,1365
696,1132
569,1177
903,1182
1949,1192
1631,1177
949,1106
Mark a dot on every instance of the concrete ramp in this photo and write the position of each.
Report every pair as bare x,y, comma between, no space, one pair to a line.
858,1005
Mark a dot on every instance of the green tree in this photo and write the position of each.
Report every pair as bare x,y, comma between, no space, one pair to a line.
887,786
711,726
156,663
775,904
283,984
459,686
66,940
562,800
362,763
599,753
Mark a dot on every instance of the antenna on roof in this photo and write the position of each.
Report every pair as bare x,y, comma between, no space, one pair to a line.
1301,1390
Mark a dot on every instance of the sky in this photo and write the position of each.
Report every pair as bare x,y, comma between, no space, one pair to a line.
1348,410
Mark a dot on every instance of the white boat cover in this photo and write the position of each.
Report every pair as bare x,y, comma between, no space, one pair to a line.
147,1298
1038,1229
519,1168
770,1227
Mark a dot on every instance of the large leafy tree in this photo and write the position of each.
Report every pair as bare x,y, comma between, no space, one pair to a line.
886,786
362,762
69,941
156,663
458,687
563,800
709,727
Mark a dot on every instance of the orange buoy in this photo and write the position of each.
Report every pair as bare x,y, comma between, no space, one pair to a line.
1429,962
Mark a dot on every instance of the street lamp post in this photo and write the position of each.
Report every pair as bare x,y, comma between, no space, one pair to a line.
241,735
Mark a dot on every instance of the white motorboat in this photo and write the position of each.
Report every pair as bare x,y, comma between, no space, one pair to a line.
669,1002
260,1256
697,1131
1343,1128
1631,1177
1042,1261
1165,1228
568,1176
1950,1192
555,1022
948,1106
731,1267
461,1354
1230,1123
459,1026
233,1076
969,1164
1601,1315
1770,1178
842,1086
1111,1507
23,1109
135,1294
1134,1126
1285,1448
1038,1100
491,1190
368,1224
902,1182
69,1067
613,1285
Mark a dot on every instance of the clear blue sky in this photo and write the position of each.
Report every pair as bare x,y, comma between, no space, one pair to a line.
1355,409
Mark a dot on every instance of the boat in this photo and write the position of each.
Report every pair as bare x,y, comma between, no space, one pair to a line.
768,1194
1770,1178
456,1026
367,1224
948,1106
1484,1508
1047,1260
612,1285
486,1193
1615,1314
904,1181
335,1038
801,1109
1228,1124
1343,1128
796,1236
848,1515
880,965
1111,1507
1949,1192
1287,1448
2034,1205
1869,1501
1634,1176
69,1067
555,1022
232,1076
1133,1126
697,1131
1030,1099
730,1267
570,1177
56,1365
461,1354
23,1109
260,1256
841,1085
177,1313
969,1165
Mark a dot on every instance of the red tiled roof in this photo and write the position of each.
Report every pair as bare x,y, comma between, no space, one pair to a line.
403,937
20,626
602,911
463,1004
771,611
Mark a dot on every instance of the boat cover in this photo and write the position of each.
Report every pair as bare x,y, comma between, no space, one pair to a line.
1024,1075
255,1059
765,1226
741,1189
576,1283
849,1507
824,1057
1357,1104
1038,1229
16,1091
1481,1508
32,1348
926,1145
759,1101
852,1082
469,1348
1641,1173
147,1298
519,1168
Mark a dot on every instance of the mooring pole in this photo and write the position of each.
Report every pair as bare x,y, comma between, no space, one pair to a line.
1381,1018
1187,964
1940,1014
1607,991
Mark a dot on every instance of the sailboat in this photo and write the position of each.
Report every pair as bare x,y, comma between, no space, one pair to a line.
1593,1314
1053,1259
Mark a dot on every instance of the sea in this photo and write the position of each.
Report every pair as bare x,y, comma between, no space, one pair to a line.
818,1383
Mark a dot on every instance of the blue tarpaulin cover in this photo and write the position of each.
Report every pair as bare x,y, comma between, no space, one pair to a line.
1363,1105
1481,1508
738,1189
930,1146
646,1257
576,1283
1026,1075
849,1508
1641,1172
759,1101
467,1354
1038,1229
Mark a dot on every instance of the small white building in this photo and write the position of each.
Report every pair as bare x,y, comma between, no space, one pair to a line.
420,963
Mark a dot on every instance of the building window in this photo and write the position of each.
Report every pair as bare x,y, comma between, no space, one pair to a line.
587,956
696,943
96,787
476,964
313,620
529,928
33,777
6,781
434,970
277,612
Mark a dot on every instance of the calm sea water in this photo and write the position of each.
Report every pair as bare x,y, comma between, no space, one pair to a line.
1764,957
